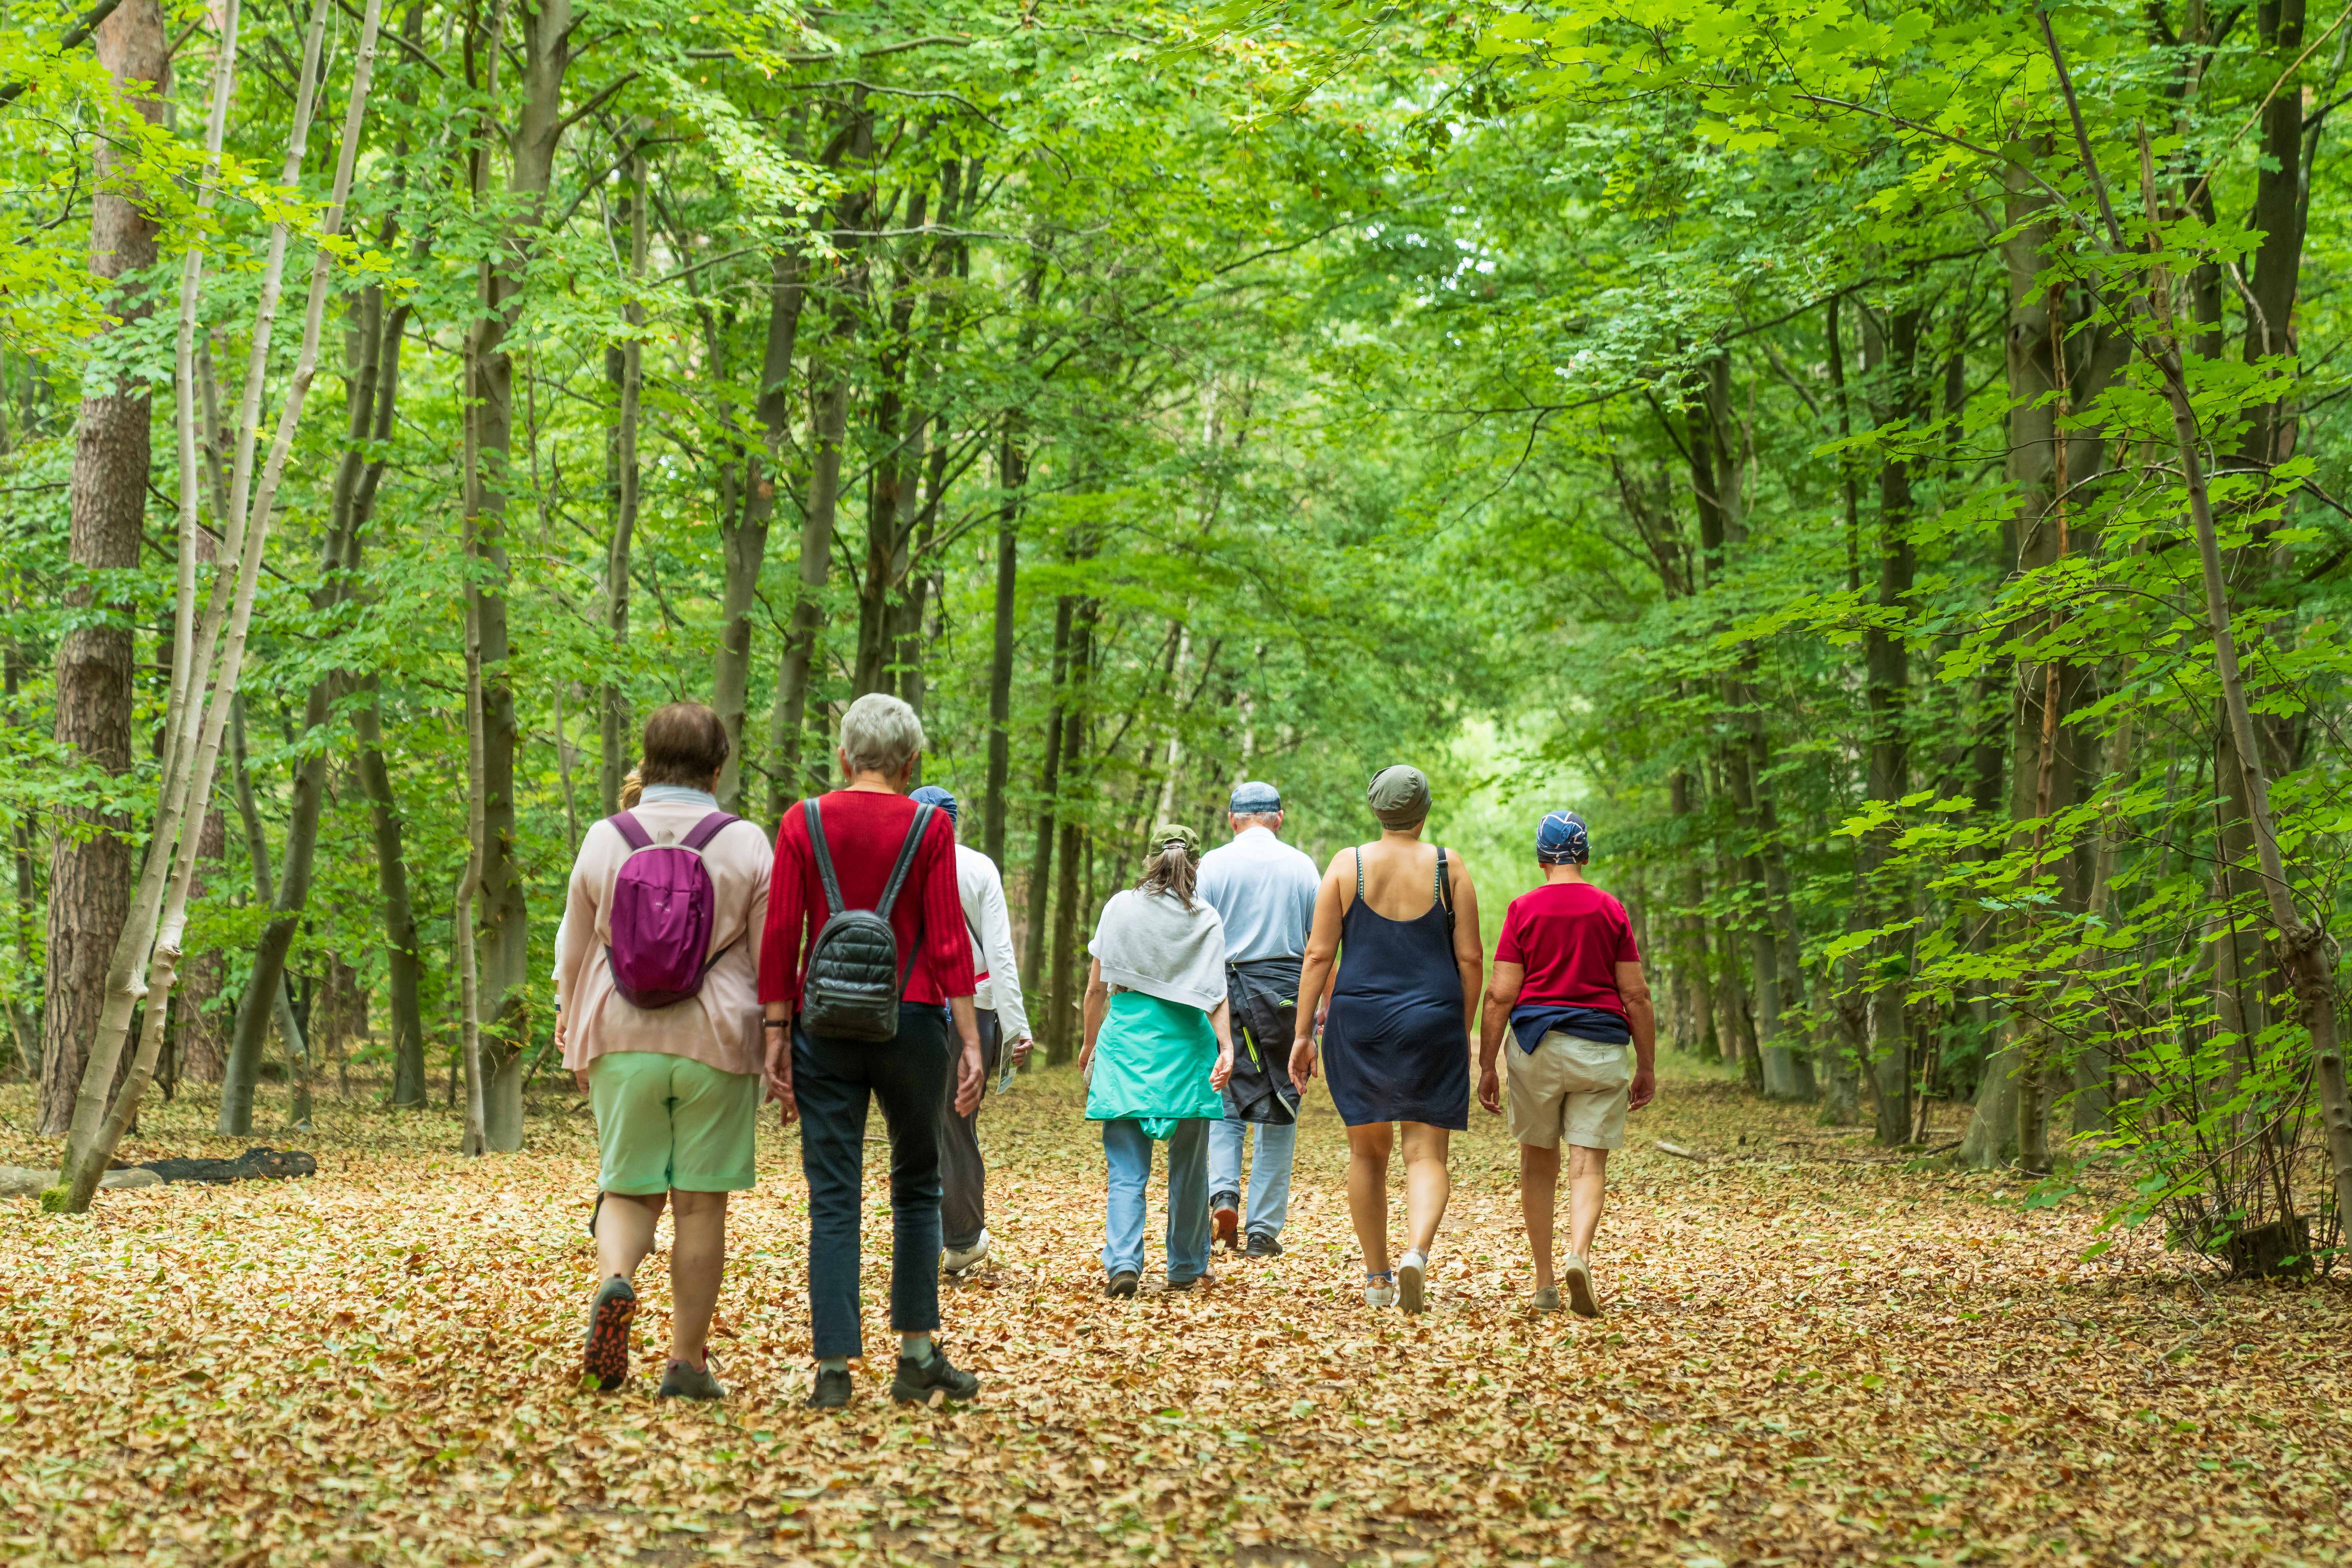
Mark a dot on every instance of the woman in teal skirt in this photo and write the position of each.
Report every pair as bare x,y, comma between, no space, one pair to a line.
1159,1049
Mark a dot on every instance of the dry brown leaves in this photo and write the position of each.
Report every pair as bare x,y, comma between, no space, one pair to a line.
1810,1355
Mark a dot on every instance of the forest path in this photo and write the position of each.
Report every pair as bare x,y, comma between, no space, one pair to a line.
1811,1354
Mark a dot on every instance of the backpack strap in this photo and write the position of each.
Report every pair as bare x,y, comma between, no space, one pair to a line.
823,856
631,830
906,859
1444,890
709,829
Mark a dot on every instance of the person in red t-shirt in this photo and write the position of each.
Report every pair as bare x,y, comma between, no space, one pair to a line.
1567,987
829,1084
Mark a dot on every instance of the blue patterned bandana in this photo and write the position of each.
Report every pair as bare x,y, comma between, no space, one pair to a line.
932,795
1561,840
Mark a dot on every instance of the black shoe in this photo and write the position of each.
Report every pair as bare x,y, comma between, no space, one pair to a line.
1225,1223
832,1391
1264,1246
1122,1285
918,1380
604,1356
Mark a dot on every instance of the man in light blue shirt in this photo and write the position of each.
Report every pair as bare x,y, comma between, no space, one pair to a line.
1264,890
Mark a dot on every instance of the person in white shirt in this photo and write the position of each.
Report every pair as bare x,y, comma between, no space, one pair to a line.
1264,892
1003,1027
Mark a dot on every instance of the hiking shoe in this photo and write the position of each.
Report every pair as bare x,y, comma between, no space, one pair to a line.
1379,1289
1263,1245
605,1354
1579,1281
1225,1223
1546,1298
918,1381
956,1260
832,1390
1191,1280
1122,1285
684,1382
1413,1273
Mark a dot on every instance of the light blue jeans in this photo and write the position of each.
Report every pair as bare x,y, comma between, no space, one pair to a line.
1269,1183
1129,1153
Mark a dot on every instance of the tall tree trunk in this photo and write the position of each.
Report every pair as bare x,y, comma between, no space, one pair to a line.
203,1046
1049,785
2278,259
796,771
365,368
885,489
89,858
505,937
625,366
404,960
1062,1025
790,771
1694,980
1012,474
265,1000
745,544
1886,673
2032,374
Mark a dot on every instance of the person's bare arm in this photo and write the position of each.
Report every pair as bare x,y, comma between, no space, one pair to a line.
1315,974
1098,1004
1469,950
1221,1019
967,1076
1502,995
776,1030
1643,1018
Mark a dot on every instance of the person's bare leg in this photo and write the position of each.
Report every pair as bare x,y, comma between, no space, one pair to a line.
1427,1185
624,1234
1587,1185
1539,1197
1368,1191
698,1256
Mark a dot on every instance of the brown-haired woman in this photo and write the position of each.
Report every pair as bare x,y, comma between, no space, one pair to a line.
677,1086
1159,1048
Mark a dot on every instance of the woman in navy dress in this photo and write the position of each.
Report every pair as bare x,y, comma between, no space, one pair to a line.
1401,918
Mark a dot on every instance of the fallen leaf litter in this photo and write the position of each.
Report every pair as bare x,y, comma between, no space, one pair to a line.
1813,1354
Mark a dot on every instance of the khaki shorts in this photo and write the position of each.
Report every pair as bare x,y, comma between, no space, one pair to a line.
1570,1091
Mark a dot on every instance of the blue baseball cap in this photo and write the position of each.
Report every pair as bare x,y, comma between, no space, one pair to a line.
1251,796
932,795
1561,840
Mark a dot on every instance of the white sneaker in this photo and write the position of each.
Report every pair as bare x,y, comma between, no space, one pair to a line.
1579,1281
1413,1271
1379,1292
956,1260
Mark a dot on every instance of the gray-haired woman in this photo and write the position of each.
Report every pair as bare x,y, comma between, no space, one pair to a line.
1159,1049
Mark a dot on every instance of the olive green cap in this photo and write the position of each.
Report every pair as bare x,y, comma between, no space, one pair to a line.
1169,832
1399,796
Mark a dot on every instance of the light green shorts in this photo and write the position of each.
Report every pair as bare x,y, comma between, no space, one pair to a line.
666,1121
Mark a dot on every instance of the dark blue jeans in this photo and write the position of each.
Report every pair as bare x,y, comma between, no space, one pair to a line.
833,1080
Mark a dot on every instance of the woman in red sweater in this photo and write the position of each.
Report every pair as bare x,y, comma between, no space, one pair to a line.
827,1084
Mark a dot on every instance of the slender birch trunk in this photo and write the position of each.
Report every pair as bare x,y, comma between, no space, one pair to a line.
92,1144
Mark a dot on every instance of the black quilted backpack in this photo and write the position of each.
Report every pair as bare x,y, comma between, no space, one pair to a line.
854,978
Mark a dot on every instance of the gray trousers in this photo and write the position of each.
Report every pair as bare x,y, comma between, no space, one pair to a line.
963,1176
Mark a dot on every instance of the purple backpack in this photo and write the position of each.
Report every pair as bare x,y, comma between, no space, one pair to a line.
664,908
